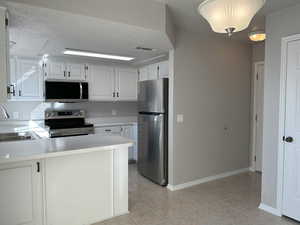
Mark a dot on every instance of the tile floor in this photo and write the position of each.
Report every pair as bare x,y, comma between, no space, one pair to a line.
229,201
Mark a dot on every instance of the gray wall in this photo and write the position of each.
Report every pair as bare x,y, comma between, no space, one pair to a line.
258,52
279,24
212,90
35,110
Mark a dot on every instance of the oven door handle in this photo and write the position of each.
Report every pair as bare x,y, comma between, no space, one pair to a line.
80,86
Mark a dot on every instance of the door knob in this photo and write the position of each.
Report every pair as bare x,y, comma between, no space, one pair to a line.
289,139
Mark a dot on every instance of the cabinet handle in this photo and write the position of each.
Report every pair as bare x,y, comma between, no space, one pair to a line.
38,167
11,89
114,94
108,130
69,73
20,93
118,94
64,73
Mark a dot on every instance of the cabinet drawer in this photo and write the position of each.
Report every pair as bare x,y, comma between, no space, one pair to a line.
114,130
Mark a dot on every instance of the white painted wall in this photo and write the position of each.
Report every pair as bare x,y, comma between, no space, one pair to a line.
278,25
212,91
258,52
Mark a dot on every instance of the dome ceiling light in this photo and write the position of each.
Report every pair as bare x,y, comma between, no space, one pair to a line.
257,36
229,16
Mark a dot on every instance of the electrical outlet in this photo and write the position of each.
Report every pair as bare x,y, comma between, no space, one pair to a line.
114,112
180,118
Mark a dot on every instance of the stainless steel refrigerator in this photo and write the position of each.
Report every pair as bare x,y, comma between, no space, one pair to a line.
153,130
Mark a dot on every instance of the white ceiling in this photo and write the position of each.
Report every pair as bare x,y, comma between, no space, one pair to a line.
186,17
38,31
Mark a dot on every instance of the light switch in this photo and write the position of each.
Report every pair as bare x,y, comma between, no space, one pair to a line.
179,118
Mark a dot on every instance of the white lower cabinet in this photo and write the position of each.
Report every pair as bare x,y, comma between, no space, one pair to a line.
127,131
21,194
77,189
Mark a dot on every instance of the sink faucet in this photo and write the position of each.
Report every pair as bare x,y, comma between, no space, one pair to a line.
4,112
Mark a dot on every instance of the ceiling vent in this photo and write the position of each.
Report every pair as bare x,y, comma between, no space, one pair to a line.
145,49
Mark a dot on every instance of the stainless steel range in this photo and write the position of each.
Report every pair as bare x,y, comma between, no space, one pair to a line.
67,123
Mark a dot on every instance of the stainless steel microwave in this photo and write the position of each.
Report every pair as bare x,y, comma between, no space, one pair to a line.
66,91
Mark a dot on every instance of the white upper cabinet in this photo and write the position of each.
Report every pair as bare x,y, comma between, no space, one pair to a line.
101,83
143,73
29,79
153,71
62,71
54,70
163,69
3,55
21,194
76,71
126,84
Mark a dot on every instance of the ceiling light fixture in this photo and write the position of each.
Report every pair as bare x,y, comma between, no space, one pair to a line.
229,16
96,55
257,36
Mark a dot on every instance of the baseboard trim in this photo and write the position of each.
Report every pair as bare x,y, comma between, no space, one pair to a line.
269,209
206,179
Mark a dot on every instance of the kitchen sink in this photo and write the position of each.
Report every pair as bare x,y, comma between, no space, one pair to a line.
18,136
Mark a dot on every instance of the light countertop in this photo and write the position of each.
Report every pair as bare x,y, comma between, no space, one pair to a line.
44,148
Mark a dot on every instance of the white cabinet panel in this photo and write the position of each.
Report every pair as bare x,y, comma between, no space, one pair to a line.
127,80
163,69
113,130
55,70
153,71
20,194
76,71
29,79
4,40
143,73
101,83
79,188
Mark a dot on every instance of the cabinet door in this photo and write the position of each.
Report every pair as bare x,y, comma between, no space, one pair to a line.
29,79
143,73
12,77
163,69
76,71
101,83
21,194
55,70
79,188
153,71
126,84
4,43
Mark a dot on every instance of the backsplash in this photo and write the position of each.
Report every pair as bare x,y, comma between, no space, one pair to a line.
35,110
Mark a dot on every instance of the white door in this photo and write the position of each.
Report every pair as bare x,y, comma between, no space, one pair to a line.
101,83
143,73
163,69
126,84
21,194
29,79
76,71
153,71
291,186
55,70
258,115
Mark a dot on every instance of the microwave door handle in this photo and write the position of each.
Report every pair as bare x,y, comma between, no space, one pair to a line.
80,85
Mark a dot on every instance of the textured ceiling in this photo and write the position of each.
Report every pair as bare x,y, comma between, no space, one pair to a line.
38,31
186,17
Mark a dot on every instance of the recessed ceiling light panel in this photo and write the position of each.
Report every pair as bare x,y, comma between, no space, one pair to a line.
96,55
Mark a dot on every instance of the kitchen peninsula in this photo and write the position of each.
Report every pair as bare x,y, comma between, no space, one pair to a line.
69,180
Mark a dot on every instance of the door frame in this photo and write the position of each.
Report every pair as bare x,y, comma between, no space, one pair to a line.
281,129
253,115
